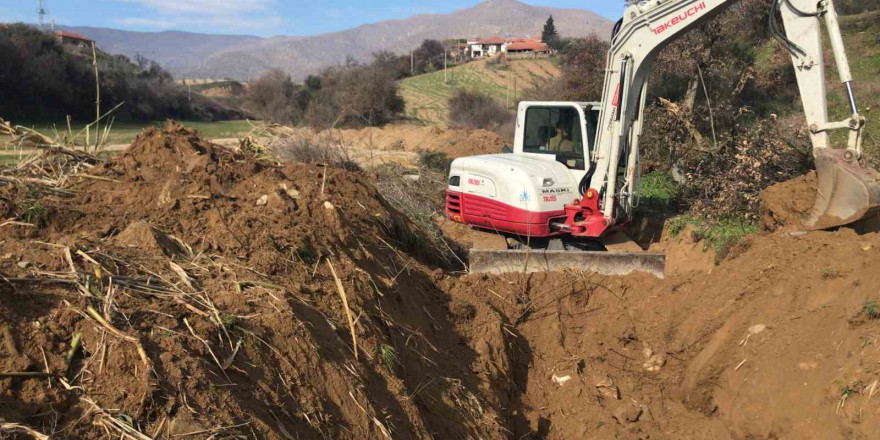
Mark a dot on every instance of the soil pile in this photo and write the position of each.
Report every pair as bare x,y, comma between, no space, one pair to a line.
779,341
187,290
455,142
787,205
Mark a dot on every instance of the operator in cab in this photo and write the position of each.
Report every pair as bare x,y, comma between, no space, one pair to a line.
562,143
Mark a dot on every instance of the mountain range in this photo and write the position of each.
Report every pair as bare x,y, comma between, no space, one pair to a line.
195,55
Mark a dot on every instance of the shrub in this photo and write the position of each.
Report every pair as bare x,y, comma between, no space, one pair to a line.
434,160
583,73
476,110
272,98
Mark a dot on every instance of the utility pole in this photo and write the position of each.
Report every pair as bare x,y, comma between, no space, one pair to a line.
445,51
412,61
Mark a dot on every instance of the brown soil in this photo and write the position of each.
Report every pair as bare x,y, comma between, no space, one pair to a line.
182,254
455,142
786,205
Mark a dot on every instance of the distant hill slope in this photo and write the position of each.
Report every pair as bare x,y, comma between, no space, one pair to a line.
302,56
427,96
179,52
244,57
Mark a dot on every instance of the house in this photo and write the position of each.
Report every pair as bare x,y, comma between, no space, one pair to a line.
486,47
492,46
527,48
73,38
460,51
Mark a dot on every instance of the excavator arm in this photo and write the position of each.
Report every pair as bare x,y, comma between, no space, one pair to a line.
847,189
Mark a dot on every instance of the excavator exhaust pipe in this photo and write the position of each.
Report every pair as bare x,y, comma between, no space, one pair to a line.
848,191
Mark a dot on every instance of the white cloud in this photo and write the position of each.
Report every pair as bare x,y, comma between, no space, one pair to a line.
219,15
205,7
215,22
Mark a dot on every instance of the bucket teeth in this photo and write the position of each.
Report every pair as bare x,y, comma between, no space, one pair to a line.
847,192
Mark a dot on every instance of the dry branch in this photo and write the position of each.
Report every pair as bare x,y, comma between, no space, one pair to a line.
140,348
344,297
14,428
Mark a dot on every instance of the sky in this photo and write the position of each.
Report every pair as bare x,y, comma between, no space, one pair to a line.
254,17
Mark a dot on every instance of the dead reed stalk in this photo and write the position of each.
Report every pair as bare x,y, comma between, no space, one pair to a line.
344,297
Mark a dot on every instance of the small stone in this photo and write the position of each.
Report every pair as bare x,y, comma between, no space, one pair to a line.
560,380
262,201
867,247
608,389
23,264
646,413
756,329
293,193
647,352
328,205
627,413
655,362
411,177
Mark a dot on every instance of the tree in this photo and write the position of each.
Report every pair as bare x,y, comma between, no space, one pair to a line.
549,34
272,97
429,56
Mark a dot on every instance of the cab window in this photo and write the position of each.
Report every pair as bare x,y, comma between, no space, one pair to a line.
557,131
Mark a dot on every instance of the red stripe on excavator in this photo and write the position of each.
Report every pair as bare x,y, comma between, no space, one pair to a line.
483,212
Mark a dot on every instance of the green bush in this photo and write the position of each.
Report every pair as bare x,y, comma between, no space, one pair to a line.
474,109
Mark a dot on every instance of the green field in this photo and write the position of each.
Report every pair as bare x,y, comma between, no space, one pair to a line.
427,95
125,132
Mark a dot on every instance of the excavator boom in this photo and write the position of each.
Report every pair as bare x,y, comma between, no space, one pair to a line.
848,190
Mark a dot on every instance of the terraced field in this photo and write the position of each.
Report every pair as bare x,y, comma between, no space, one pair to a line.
427,95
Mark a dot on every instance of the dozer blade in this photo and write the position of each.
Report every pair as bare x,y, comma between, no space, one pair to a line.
529,261
848,191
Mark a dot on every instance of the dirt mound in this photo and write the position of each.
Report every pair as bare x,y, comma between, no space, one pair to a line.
455,142
207,290
787,204
778,342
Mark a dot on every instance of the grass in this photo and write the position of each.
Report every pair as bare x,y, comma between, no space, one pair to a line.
659,193
719,234
871,308
125,132
388,356
427,95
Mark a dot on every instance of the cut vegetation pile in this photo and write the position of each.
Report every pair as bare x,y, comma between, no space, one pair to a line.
183,290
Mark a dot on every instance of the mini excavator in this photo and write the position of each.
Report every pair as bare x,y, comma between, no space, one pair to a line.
560,198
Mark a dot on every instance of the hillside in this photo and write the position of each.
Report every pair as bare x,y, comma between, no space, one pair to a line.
178,52
244,57
427,95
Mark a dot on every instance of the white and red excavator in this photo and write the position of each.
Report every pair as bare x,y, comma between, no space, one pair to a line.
572,180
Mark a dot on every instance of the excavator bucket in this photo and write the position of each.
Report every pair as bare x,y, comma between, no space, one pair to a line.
848,191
